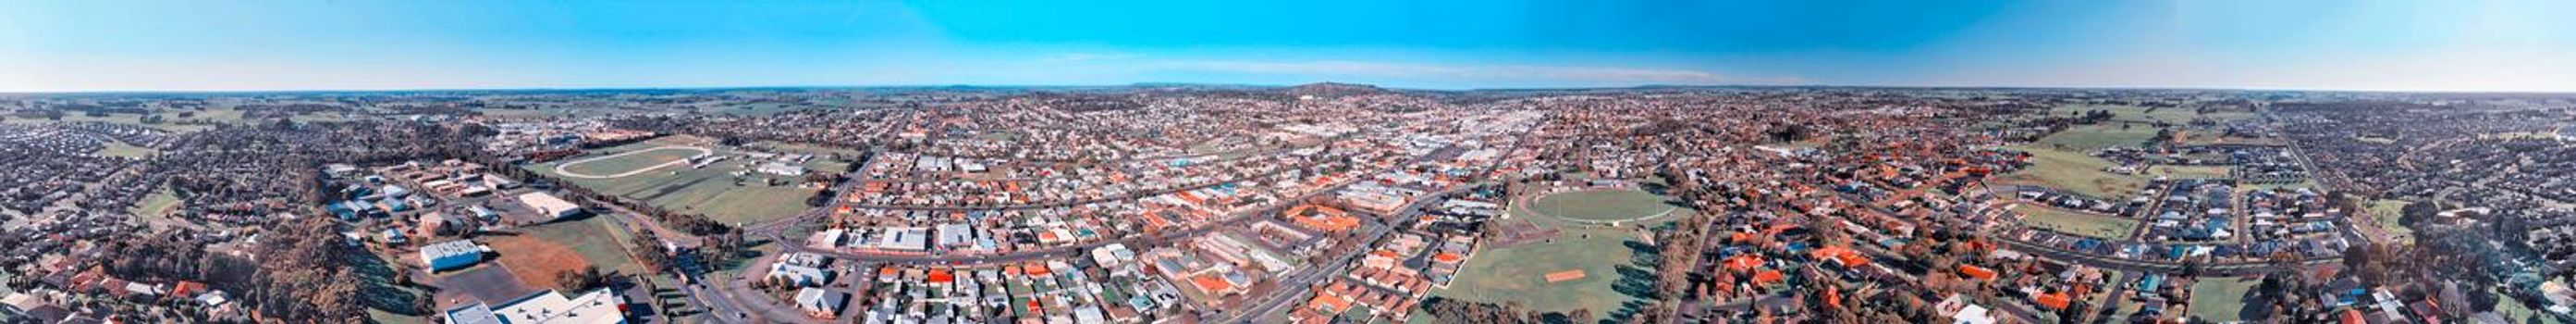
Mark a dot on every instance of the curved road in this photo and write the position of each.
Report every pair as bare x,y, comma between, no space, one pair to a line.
561,170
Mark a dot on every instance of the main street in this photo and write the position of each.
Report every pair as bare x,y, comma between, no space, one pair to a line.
734,301
1292,289
776,230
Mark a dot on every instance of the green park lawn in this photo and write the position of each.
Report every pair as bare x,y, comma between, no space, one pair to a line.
158,203
383,317
1602,205
157,207
1518,273
2384,213
2077,223
2220,299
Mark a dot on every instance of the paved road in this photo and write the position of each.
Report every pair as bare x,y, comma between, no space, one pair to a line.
1294,288
734,295
720,307
2207,269
775,231
1028,255
759,306
2119,293
717,306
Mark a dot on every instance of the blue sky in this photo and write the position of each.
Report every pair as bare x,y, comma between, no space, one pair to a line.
301,45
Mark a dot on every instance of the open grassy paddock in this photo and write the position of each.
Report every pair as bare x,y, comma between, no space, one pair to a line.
821,162
2221,299
2189,171
2073,172
197,121
1606,255
712,190
2088,138
2077,223
534,260
817,150
134,119
2173,115
1602,205
756,108
2208,136
536,253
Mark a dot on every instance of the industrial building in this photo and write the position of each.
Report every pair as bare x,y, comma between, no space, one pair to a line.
550,207
451,254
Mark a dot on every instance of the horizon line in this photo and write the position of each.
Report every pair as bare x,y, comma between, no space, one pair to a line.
1259,85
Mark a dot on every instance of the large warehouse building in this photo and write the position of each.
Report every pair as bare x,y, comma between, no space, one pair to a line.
451,254
552,208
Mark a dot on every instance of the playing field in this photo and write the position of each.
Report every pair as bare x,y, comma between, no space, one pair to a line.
2073,172
627,163
712,190
2221,299
2088,138
1520,272
2077,223
1602,205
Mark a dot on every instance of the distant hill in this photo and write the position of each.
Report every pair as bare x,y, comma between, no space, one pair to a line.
1330,89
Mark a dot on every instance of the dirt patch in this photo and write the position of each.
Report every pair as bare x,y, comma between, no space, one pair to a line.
1562,276
1520,231
536,261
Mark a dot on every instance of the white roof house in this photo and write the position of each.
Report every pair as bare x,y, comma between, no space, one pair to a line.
820,301
1973,314
799,275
